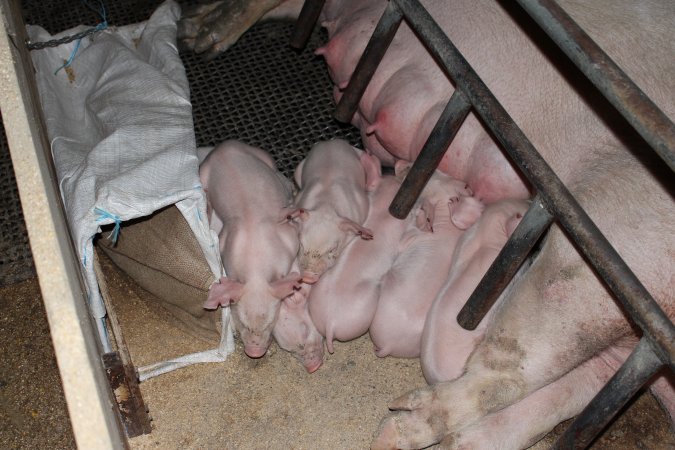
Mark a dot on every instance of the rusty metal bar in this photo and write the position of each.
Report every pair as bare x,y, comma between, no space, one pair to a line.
434,148
535,222
365,69
622,282
647,119
130,406
305,23
633,374
119,367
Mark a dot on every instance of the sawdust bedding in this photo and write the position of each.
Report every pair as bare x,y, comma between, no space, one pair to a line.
273,402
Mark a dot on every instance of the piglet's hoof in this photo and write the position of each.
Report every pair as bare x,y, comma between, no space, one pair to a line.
415,422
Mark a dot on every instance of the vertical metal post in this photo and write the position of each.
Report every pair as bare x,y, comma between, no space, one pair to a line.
377,46
635,372
510,258
305,23
424,166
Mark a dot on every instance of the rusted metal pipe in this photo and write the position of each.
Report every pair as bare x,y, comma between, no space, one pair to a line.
365,69
633,104
305,23
633,374
424,166
535,222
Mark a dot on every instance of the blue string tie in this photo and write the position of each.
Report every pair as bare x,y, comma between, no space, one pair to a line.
105,215
100,27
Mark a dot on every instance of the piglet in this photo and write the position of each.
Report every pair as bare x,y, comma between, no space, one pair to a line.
295,332
446,345
248,202
332,203
342,303
419,271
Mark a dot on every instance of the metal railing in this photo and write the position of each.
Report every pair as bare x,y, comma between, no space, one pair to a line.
552,202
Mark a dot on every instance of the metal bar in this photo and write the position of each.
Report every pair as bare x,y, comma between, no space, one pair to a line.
434,148
622,282
305,23
377,46
647,119
510,258
633,374
119,367
130,405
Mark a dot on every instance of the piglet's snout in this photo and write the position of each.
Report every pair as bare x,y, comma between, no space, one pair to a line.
255,351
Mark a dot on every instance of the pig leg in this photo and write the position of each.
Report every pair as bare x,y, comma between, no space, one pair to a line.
544,409
516,357
664,390
212,28
557,316
350,318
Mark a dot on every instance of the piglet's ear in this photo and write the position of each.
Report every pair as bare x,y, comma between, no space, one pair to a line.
297,175
298,298
285,286
424,220
401,169
464,211
353,227
373,170
223,292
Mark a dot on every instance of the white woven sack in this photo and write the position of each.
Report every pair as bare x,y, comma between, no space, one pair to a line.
120,125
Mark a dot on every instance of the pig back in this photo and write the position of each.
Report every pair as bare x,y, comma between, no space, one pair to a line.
242,182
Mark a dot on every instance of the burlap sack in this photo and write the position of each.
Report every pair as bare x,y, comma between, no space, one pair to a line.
162,255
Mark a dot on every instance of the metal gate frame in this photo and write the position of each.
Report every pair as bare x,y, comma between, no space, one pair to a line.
553,201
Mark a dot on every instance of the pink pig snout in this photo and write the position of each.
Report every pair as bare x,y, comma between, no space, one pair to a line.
255,351
313,366
310,277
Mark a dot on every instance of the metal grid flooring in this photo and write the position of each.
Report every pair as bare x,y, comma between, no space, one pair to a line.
16,260
260,91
